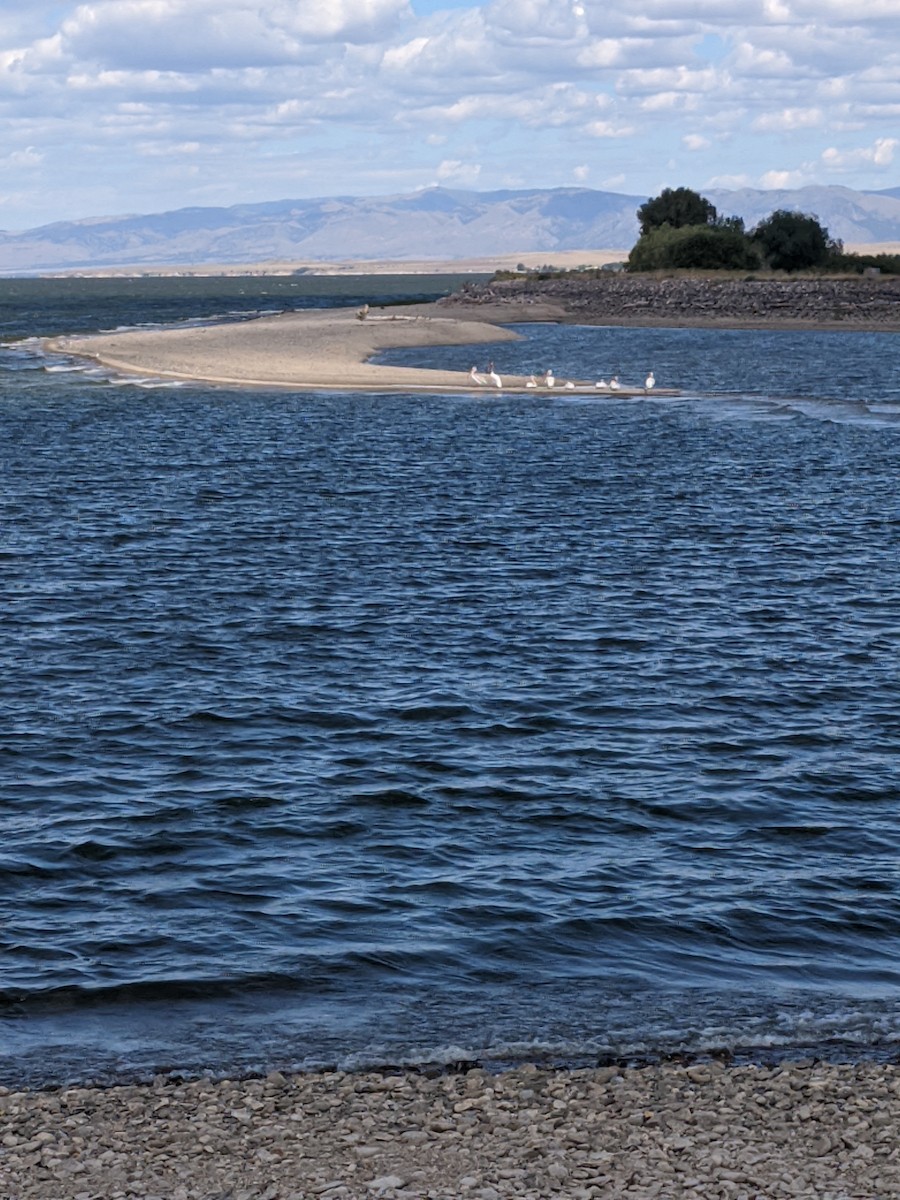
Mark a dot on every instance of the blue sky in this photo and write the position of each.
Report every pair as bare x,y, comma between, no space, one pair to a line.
124,106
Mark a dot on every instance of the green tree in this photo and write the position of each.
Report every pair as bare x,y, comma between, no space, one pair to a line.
678,207
792,241
701,247
713,249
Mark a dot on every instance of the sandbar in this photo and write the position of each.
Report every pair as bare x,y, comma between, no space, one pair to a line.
320,350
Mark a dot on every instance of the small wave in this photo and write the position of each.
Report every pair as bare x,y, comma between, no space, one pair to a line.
34,1002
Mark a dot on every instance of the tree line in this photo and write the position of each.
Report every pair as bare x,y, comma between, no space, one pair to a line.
681,229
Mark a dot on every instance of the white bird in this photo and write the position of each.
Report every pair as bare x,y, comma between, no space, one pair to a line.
614,383
600,383
532,382
650,381
569,383
549,380
475,377
493,376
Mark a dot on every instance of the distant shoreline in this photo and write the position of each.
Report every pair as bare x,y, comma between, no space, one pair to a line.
561,260
533,260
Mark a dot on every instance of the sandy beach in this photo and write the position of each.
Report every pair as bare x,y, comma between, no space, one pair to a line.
705,1131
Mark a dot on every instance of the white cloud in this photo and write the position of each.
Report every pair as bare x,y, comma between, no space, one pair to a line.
670,79
731,182
880,155
549,107
29,157
534,22
788,120
607,129
782,179
695,141
604,52
761,62
667,102
460,173
194,35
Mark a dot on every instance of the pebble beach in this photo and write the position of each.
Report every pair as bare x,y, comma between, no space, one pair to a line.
664,1132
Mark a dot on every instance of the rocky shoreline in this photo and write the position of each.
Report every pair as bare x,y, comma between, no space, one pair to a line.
601,298
704,1130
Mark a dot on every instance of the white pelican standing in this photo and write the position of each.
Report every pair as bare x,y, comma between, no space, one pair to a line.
650,382
549,379
614,383
493,376
475,377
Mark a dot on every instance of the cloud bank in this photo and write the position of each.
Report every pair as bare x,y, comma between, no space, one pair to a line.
137,105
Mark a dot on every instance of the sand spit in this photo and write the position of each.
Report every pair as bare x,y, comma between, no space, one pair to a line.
321,349
813,1130
326,349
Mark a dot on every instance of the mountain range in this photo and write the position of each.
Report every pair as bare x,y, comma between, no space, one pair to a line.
433,224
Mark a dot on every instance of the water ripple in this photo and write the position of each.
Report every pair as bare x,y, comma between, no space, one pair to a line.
359,698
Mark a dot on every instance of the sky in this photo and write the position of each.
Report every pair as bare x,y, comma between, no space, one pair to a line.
137,106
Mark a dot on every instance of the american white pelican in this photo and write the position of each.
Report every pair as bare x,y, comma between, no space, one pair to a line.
493,376
532,382
475,377
569,384
549,379
614,383
650,381
601,383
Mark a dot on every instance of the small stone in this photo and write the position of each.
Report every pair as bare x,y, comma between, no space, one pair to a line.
415,1137
386,1183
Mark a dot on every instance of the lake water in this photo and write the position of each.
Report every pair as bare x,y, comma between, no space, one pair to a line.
363,729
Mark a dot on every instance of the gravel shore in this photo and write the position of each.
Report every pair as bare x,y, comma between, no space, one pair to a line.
857,302
667,1132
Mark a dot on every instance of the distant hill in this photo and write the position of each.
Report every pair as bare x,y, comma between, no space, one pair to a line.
848,215
436,223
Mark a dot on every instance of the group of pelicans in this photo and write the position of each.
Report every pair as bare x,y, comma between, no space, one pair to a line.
490,378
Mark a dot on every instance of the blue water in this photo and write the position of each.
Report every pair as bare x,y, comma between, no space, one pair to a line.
356,729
